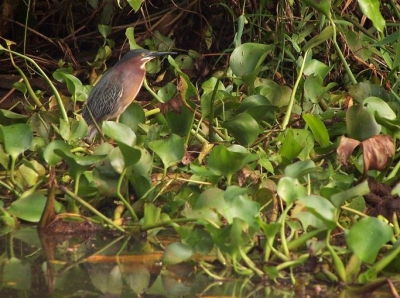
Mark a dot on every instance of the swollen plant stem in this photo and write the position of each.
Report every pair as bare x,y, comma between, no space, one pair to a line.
283,234
292,96
49,82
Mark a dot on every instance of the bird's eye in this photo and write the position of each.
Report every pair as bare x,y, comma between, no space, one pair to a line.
143,55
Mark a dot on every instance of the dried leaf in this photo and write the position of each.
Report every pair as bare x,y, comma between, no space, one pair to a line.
345,149
377,152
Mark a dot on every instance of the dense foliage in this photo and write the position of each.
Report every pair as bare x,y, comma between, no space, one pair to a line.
277,152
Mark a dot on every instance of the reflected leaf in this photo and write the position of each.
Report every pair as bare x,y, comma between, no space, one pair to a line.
176,253
16,274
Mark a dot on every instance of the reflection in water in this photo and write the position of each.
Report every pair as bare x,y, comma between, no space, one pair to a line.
107,265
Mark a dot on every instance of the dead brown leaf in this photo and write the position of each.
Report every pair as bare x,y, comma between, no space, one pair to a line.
345,149
377,151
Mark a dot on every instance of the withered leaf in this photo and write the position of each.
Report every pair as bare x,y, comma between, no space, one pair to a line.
377,151
345,149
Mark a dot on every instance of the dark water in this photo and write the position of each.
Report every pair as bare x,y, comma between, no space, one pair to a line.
112,265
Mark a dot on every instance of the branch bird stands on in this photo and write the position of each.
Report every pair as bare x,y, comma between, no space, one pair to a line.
118,87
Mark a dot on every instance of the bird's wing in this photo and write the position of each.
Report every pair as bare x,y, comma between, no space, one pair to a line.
102,100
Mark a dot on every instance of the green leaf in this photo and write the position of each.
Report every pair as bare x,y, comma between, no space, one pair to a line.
48,154
318,129
227,161
151,214
239,205
133,116
30,208
247,58
78,163
379,106
290,189
320,38
323,6
290,148
104,30
361,124
170,150
243,127
181,122
16,138
371,9
359,190
367,237
300,168
135,4
119,132
322,208
167,92
176,253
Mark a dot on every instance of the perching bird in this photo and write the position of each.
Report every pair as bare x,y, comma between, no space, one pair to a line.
118,87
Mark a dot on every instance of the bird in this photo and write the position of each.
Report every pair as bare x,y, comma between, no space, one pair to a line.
117,88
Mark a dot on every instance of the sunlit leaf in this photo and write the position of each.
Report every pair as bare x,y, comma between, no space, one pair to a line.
322,208
119,132
371,9
290,189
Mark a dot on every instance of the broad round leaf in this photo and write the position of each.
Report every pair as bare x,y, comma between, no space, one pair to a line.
244,128
119,132
361,124
367,237
246,58
170,150
290,189
16,138
300,168
321,208
133,116
379,106
30,208
227,161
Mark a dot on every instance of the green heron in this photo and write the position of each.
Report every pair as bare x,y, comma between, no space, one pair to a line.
118,87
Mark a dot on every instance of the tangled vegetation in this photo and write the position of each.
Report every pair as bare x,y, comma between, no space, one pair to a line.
271,147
